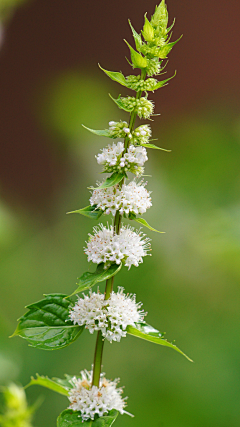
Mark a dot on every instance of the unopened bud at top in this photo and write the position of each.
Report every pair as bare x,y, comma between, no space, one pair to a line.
160,18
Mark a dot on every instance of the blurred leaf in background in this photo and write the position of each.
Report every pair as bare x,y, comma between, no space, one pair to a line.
15,411
7,7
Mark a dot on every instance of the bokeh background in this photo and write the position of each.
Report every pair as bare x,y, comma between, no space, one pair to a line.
50,84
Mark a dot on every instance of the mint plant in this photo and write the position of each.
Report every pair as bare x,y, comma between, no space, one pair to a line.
59,319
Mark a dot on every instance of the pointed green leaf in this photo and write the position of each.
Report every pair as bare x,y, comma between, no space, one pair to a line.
70,418
165,50
105,132
120,104
171,26
90,211
114,179
137,59
148,31
136,36
163,82
47,325
143,222
88,280
116,76
65,382
54,384
148,333
155,147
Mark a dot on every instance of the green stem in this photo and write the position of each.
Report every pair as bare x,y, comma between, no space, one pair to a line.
97,364
134,113
98,359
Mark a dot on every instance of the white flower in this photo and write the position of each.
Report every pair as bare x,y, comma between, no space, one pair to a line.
110,155
128,247
122,311
113,161
130,198
111,316
141,134
88,311
91,400
135,155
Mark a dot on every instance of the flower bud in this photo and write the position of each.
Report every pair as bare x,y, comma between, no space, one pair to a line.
153,67
160,18
137,84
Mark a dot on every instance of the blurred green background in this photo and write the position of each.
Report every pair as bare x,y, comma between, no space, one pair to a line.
50,85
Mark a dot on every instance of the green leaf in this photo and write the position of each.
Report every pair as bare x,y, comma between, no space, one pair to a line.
163,82
69,418
171,26
143,222
107,420
136,36
47,325
54,384
117,77
148,333
105,132
148,31
90,211
155,147
114,179
120,104
88,280
165,50
137,59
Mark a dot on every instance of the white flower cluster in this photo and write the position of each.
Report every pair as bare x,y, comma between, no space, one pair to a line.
141,134
91,400
110,156
143,106
130,198
111,316
128,247
113,161
137,84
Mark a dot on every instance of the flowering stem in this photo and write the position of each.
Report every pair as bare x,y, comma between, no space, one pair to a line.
109,283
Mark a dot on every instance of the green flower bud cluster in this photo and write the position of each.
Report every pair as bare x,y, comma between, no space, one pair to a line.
154,67
141,135
154,51
138,84
143,106
128,167
118,129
